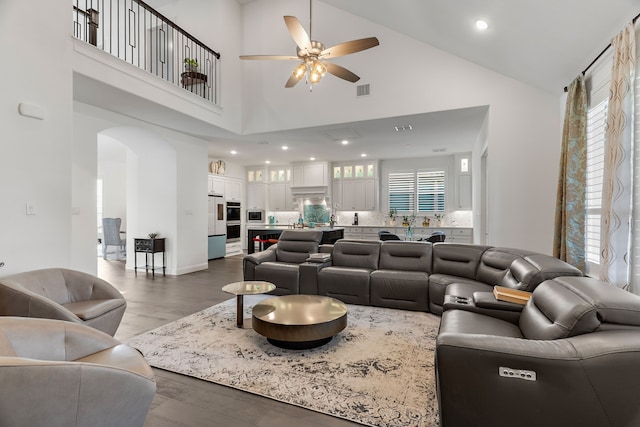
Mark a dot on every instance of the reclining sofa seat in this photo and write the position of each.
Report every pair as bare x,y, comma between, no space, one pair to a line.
572,359
462,270
280,264
402,278
352,263
63,294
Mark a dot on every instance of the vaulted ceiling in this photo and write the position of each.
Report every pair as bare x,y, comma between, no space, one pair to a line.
543,43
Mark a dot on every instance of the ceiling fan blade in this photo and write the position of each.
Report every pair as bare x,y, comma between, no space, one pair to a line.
350,47
292,81
341,72
298,33
277,57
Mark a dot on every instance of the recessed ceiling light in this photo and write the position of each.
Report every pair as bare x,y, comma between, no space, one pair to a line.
234,152
363,155
481,24
345,142
312,158
268,161
284,147
403,128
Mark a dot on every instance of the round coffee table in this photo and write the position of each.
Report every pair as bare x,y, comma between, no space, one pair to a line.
299,321
239,289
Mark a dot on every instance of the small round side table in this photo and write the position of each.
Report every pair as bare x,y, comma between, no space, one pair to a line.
240,289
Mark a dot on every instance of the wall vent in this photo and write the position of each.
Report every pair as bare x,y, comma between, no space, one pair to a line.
363,90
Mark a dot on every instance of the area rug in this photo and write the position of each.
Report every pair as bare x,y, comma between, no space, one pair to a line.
379,371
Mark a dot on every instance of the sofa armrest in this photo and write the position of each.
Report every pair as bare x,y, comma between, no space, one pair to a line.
591,365
488,300
249,262
309,276
22,302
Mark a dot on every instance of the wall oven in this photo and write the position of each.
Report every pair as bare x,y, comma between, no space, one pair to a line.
233,212
233,221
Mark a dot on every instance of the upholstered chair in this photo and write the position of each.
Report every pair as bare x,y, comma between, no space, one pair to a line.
61,374
58,293
280,263
111,237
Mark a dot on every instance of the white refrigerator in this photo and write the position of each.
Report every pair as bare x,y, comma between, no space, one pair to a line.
217,227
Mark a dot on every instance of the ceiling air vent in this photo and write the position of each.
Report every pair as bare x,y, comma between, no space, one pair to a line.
363,90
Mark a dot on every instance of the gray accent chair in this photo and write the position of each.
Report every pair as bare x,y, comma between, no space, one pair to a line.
111,237
347,279
59,293
572,359
280,263
60,374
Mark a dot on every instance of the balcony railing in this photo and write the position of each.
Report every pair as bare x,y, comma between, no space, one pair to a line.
134,32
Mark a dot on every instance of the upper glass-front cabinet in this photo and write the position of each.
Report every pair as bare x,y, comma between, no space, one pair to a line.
355,170
280,174
255,175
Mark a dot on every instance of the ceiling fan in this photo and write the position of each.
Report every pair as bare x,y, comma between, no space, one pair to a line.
313,55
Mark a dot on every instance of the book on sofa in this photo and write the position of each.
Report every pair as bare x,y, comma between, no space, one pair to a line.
319,257
511,295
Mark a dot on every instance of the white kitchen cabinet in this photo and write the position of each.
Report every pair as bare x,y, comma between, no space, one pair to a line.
355,185
357,195
256,195
233,190
255,174
215,185
280,199
311,175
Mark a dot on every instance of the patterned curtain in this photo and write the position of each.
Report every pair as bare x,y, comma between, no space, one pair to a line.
618,164
569,233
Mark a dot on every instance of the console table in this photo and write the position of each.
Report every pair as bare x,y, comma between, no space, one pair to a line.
150,246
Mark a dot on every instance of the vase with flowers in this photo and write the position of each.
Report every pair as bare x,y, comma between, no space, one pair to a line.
439,218
393,212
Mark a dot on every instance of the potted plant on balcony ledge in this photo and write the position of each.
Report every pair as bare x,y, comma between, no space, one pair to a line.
191,76
190,64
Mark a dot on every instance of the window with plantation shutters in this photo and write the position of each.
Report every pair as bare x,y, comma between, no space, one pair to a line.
417,191
596,121
431,191
402,191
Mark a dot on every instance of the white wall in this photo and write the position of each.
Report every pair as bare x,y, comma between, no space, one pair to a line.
410,77
35,164
112,169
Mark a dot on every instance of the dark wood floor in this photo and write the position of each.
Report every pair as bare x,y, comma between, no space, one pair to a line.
185,401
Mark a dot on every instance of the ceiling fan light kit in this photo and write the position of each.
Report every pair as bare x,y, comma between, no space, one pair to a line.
314,56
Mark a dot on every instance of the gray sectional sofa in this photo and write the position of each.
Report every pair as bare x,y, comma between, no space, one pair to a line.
406,275
570,356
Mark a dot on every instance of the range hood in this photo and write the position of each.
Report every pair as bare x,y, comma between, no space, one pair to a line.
316,192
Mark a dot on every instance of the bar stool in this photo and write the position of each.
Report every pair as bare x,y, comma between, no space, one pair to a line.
271,241
261,243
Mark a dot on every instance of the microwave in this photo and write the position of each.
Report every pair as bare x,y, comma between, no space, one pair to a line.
255,216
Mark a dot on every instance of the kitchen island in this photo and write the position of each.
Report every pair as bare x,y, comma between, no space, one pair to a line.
329,234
